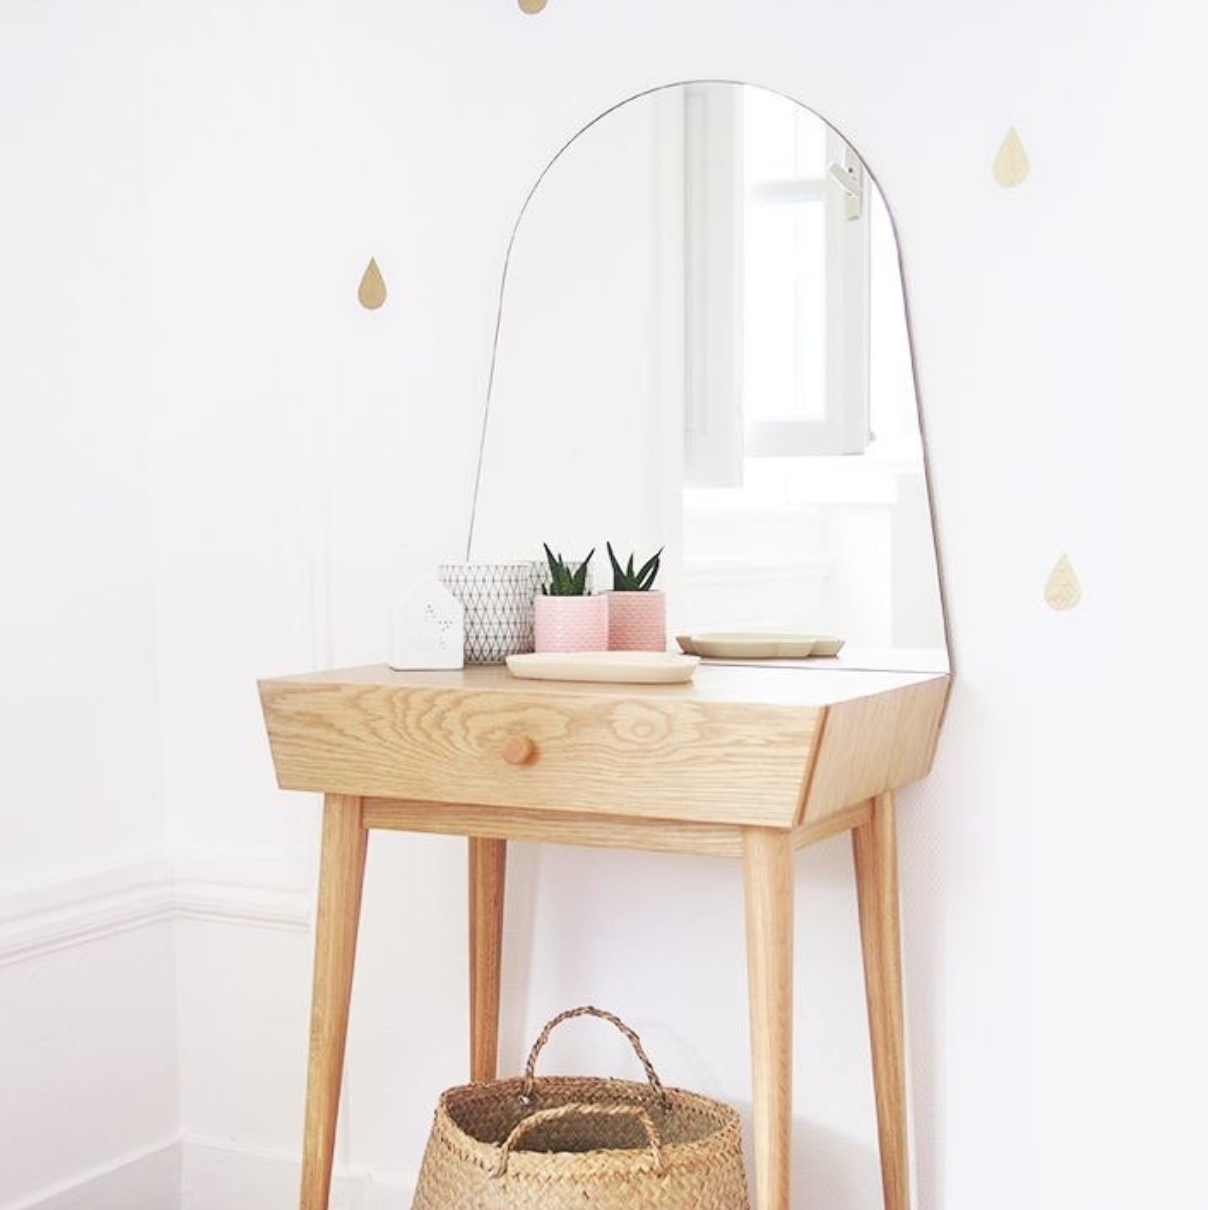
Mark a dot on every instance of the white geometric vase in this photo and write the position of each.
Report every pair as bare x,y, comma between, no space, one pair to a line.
498,603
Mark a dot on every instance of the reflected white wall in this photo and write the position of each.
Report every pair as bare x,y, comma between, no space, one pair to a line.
584,437
576,451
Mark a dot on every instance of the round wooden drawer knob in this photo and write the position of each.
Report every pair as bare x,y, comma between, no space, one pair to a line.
519,750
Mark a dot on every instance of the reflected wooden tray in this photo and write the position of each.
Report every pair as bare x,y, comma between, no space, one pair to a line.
624,667
750,645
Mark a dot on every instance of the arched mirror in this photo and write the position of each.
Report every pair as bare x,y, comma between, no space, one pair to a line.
703,347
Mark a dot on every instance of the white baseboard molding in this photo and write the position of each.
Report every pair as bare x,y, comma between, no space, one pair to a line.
101,903
216,1175
147,1180
209,1174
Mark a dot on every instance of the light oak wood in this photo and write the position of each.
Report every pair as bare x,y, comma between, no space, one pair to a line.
748,683
519,750
341,877
744,762
488,865
554,827
592,831
768,892
446,737
874,846
449,745
873,745
834,824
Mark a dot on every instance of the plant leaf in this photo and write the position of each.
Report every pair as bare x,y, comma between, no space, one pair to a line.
618,575
650,569
579,583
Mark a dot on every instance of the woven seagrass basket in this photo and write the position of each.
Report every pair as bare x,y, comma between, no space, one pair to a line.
560,1142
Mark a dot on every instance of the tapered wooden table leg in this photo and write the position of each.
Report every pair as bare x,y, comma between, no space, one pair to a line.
341,877
488,865
874,845
768,891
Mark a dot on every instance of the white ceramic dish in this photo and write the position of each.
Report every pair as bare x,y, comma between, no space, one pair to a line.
754,646
623,667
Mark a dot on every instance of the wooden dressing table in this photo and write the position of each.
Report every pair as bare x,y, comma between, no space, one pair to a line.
745,762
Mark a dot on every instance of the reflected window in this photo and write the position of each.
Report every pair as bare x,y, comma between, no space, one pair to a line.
778,357
703,347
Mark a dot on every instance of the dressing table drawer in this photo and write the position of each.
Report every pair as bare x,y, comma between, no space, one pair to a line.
663,755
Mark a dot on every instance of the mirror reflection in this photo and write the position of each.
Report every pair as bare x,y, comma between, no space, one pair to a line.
703,346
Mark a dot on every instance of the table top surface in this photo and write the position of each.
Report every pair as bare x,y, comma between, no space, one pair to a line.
823,684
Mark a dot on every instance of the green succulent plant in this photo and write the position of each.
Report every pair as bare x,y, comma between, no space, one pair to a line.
625,579
563,581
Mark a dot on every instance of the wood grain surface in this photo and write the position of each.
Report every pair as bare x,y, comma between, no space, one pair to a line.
768,893
487,871
874,847
711,753
662,757
591,831
873,745
341,877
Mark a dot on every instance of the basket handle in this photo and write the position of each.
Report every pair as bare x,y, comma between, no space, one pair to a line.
581,1110
530,1068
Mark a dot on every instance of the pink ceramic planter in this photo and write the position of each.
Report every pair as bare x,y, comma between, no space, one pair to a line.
637,621
571,624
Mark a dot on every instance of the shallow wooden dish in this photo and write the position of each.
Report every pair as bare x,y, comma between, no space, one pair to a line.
740,645
621,667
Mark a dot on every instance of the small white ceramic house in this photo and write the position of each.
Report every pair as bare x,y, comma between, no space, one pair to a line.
429,627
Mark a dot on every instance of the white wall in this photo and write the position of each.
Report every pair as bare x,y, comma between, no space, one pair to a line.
87,1013
580,398
77,602
1046,334
306,453
88,1064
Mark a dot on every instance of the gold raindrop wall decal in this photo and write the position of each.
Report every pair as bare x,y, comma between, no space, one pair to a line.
1062,590
1011,164
532,7
372,290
